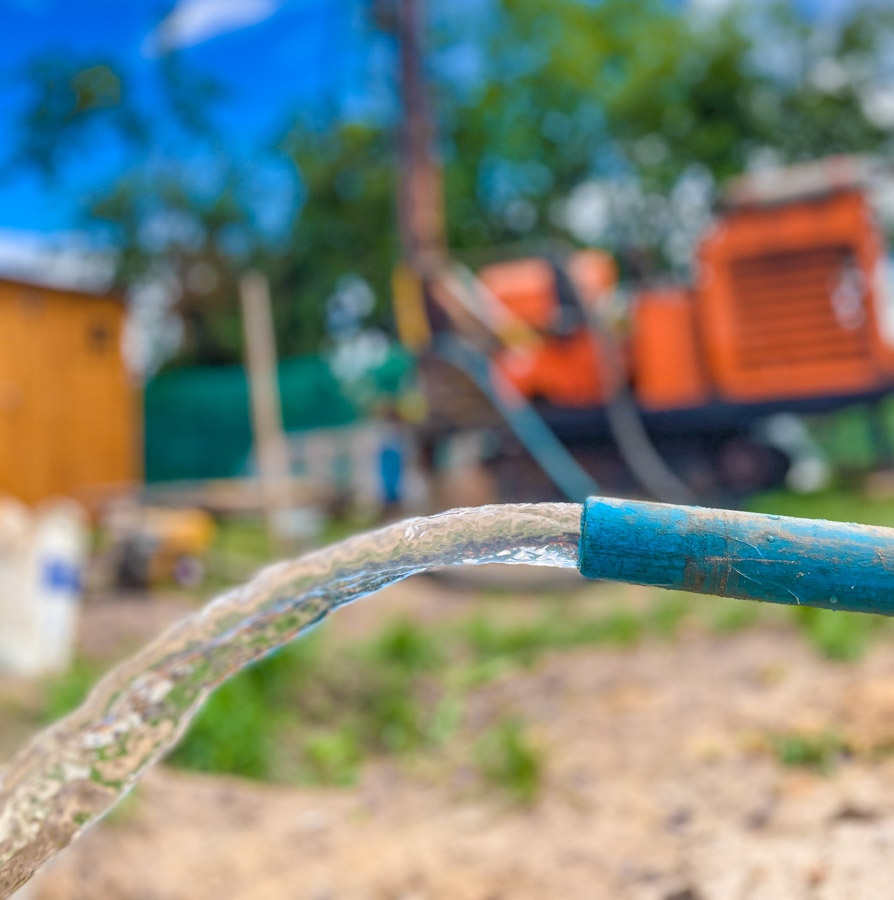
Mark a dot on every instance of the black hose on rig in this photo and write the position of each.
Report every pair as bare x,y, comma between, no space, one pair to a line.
624,420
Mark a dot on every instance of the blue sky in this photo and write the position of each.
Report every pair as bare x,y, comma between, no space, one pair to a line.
275,58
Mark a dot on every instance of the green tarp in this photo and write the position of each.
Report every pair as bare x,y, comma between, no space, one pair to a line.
197,420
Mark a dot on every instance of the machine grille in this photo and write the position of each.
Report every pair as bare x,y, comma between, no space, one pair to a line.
799,308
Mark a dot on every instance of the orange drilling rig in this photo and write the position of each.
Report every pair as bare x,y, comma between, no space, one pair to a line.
787,312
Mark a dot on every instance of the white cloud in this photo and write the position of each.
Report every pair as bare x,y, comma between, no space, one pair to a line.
192,22
63,261
878,105
69,261
710,6
587,212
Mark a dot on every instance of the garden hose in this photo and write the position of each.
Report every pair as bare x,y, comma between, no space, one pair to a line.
808,562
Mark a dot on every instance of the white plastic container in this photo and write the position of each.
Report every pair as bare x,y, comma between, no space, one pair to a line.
60,548
42,559
19,632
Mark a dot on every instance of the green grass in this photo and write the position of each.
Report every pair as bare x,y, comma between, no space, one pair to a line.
730,616
838,636
839,503
63,693
846,436
333,757
510,761
236,732
820,751
522,644
406,647
314,713
668,613
305,716
400,692
243,537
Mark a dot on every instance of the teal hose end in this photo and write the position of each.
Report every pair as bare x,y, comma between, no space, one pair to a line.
809,562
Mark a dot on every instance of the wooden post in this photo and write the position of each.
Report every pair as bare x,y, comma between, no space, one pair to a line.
271,449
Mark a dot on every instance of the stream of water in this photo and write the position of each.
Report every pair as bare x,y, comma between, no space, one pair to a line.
77,769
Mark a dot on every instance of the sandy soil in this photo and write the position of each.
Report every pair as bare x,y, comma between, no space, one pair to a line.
659,785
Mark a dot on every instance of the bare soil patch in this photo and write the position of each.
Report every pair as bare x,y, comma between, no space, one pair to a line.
662,782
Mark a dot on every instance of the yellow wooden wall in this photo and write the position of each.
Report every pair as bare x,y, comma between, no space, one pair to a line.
69,416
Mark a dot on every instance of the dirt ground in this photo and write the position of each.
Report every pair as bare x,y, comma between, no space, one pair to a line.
659,786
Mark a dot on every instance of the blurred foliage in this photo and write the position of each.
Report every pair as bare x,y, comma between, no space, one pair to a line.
63,693
523,643
300,716
312,713
839,503
649,106
184,238
734,615
347,225
73,102
509,760
838,636
317,710
819,751
650,103
236,732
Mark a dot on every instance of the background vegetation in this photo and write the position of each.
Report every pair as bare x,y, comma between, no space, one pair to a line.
609,123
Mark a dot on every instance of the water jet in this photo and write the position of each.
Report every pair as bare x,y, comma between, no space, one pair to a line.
76,770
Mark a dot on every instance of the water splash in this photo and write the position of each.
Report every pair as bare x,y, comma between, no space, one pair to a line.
73,772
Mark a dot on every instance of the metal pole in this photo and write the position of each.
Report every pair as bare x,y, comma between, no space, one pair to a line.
420,201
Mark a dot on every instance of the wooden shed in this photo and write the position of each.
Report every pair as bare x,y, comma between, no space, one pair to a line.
69,411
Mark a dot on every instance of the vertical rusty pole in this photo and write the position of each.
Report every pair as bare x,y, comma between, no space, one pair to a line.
420,201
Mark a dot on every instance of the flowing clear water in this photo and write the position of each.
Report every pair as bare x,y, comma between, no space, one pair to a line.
73,772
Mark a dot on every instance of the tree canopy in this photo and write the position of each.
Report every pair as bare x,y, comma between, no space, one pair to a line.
610,123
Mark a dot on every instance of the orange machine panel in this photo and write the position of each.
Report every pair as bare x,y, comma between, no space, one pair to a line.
667,366
788,300
566,371
527,287
594,273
